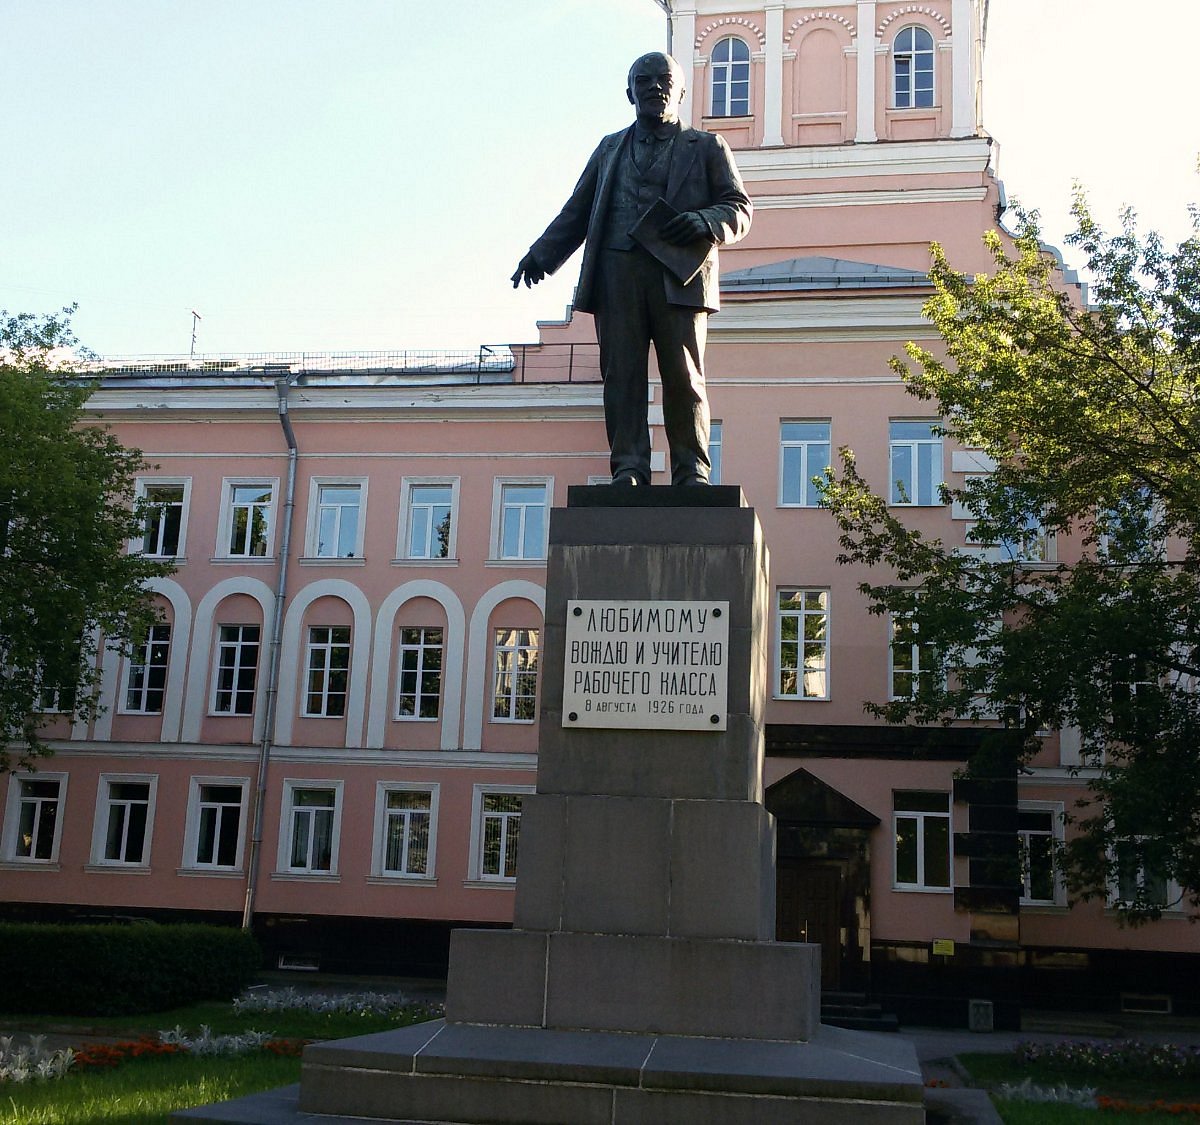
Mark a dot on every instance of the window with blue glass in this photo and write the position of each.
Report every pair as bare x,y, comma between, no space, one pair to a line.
730,78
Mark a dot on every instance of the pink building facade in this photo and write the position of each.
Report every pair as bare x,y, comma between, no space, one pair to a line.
330,733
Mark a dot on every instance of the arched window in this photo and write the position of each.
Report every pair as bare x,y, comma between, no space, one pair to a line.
912,68
730,78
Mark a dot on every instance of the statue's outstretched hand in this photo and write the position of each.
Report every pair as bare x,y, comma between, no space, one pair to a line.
529,270
685,227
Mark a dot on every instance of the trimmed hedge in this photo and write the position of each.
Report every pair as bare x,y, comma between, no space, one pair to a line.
110,970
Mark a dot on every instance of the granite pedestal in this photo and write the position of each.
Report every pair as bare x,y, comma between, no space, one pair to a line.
641,981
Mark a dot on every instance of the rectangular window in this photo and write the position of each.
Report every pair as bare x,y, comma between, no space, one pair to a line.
54,696
430,520
419,692
715,449
125,814
915,453
337,521
910,658
922,830
147,682
249,520
1036,841
163,520
310,826
328,674
514,693
803,639
1031,545
1141,873
523,518
500,831
804,449
215,820
237,669
407,823
34,807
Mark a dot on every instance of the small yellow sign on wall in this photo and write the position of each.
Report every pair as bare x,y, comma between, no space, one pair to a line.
943,947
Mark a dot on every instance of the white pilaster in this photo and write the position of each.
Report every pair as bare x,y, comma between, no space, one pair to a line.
773,101
865,40
683,48
962,64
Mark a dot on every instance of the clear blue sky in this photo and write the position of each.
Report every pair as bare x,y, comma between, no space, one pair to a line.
365,174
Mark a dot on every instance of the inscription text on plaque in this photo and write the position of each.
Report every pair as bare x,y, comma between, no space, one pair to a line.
649,665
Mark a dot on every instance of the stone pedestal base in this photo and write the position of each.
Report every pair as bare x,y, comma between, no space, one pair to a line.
641,984
456,1073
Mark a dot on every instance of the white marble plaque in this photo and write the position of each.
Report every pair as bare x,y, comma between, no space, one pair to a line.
650,665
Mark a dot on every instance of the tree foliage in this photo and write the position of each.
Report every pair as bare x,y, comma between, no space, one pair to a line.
1086,419
67,514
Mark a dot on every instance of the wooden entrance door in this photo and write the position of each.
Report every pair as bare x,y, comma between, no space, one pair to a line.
809,908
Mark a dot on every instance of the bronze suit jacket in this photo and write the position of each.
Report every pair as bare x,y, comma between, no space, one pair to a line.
702,177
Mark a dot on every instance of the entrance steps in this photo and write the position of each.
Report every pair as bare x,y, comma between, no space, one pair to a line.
855,1011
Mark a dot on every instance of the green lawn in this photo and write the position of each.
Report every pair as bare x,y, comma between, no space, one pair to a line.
145,1091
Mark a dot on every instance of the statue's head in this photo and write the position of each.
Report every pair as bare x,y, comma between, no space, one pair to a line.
655,88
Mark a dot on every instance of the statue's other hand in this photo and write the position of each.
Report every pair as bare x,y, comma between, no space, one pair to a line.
685,227
528,269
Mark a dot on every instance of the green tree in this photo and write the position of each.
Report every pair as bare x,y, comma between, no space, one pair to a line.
67,514
1088,417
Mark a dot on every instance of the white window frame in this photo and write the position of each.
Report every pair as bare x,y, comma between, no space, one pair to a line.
327,647
1155,515
404,536
313,528
916,650
129,663
731,72
921,816
420,648
383,816
499,508
912,53
141,489
1054,809
808,498
105,804
48,697
716,450
218,644
287,821
476,874
1034,545
225,523
12,818
913,445
499,646
802,645
1172,892
195,810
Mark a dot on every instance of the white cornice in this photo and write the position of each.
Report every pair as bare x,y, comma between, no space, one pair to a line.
870,198
346,401
872,318
882,158
184,751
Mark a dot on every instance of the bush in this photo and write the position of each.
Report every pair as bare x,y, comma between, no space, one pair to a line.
110,970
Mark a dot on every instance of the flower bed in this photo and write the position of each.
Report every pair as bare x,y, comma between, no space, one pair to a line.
1129,1057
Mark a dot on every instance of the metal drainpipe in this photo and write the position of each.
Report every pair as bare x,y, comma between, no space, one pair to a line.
268,737
666,7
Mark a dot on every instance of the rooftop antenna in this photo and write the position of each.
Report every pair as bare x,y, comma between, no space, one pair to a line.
196,318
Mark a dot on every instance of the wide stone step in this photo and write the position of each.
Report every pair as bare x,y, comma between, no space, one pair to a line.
441,1072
